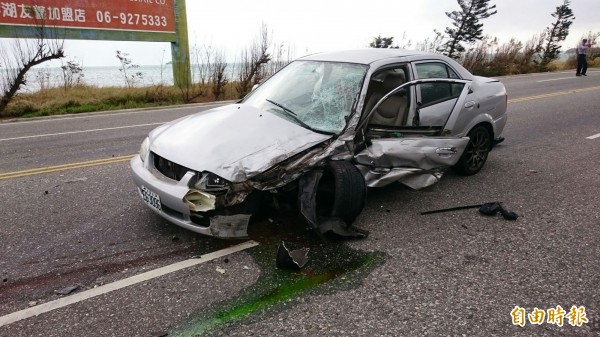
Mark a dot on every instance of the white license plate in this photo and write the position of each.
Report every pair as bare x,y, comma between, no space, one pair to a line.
150,198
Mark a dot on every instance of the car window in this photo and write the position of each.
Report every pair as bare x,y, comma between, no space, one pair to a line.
317,95
432,93
393,111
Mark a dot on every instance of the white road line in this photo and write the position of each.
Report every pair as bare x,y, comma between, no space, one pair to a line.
63,302
556,79
110,113
594,136
81,131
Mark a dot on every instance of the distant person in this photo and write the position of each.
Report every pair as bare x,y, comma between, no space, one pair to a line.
581,57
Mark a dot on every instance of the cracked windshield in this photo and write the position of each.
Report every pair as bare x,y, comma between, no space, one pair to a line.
315,95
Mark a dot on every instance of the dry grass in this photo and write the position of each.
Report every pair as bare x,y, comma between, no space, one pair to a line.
79,99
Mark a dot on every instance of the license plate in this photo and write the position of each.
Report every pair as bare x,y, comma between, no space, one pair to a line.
150,198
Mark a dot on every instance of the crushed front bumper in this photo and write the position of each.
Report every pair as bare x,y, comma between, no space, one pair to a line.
166,197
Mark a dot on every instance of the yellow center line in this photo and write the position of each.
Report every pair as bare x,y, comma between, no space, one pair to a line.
57,168
554,94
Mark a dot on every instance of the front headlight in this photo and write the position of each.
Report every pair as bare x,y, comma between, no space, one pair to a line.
211,182
144,149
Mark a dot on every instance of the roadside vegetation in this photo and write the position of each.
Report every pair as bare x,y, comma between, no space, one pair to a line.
86,98
215,80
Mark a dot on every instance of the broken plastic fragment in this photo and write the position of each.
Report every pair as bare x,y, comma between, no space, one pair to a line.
295,259
220,270
199,201
67,290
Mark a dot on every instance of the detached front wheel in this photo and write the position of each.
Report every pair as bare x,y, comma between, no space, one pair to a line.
341,192
476,153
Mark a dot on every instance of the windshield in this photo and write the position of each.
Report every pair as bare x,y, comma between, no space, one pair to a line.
315,95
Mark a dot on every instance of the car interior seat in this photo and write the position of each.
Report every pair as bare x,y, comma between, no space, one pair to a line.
392,111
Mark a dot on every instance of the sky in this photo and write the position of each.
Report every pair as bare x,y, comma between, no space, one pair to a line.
311,26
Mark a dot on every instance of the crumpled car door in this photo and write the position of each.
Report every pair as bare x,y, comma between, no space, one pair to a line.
418,158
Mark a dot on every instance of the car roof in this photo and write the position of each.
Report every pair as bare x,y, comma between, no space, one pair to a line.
366,55
369,56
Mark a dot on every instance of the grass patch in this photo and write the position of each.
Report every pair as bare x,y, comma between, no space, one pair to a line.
85,98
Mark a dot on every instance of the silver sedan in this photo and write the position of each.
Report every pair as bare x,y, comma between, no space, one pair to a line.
316,135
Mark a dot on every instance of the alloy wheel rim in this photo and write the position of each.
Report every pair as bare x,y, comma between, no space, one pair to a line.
479,148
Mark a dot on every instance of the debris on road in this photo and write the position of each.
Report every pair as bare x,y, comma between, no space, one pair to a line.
488,208
67,290
530,172
295,259
492,208
220,270
76,180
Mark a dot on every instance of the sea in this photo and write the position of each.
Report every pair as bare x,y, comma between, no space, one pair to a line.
105,76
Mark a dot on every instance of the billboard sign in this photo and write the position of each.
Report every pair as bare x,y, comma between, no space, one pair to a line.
156,16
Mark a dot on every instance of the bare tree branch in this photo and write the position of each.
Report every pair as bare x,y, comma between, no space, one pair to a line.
22,56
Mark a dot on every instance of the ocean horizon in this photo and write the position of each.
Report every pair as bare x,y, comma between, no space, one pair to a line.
107,76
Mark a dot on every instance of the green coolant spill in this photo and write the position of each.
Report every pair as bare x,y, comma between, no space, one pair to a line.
332,266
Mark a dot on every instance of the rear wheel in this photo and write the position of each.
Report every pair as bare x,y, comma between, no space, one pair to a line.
477,151
341,192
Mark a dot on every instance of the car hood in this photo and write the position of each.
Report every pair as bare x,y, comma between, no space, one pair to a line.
235,142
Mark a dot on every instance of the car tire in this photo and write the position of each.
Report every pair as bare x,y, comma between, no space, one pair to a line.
341,192
476,153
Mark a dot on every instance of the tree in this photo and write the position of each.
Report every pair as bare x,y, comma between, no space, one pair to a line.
252,61
557,33
127,68
593,40
219,77
432,45
72,73
25,54
382,42
467,27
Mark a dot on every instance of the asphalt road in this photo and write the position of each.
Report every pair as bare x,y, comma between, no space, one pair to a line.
448,274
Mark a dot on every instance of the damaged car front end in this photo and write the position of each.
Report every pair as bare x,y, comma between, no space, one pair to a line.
317,130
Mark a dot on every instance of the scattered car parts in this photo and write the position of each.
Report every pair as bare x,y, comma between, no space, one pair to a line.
489,209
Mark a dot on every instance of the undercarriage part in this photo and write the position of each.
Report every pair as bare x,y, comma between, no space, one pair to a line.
230,226
338,227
